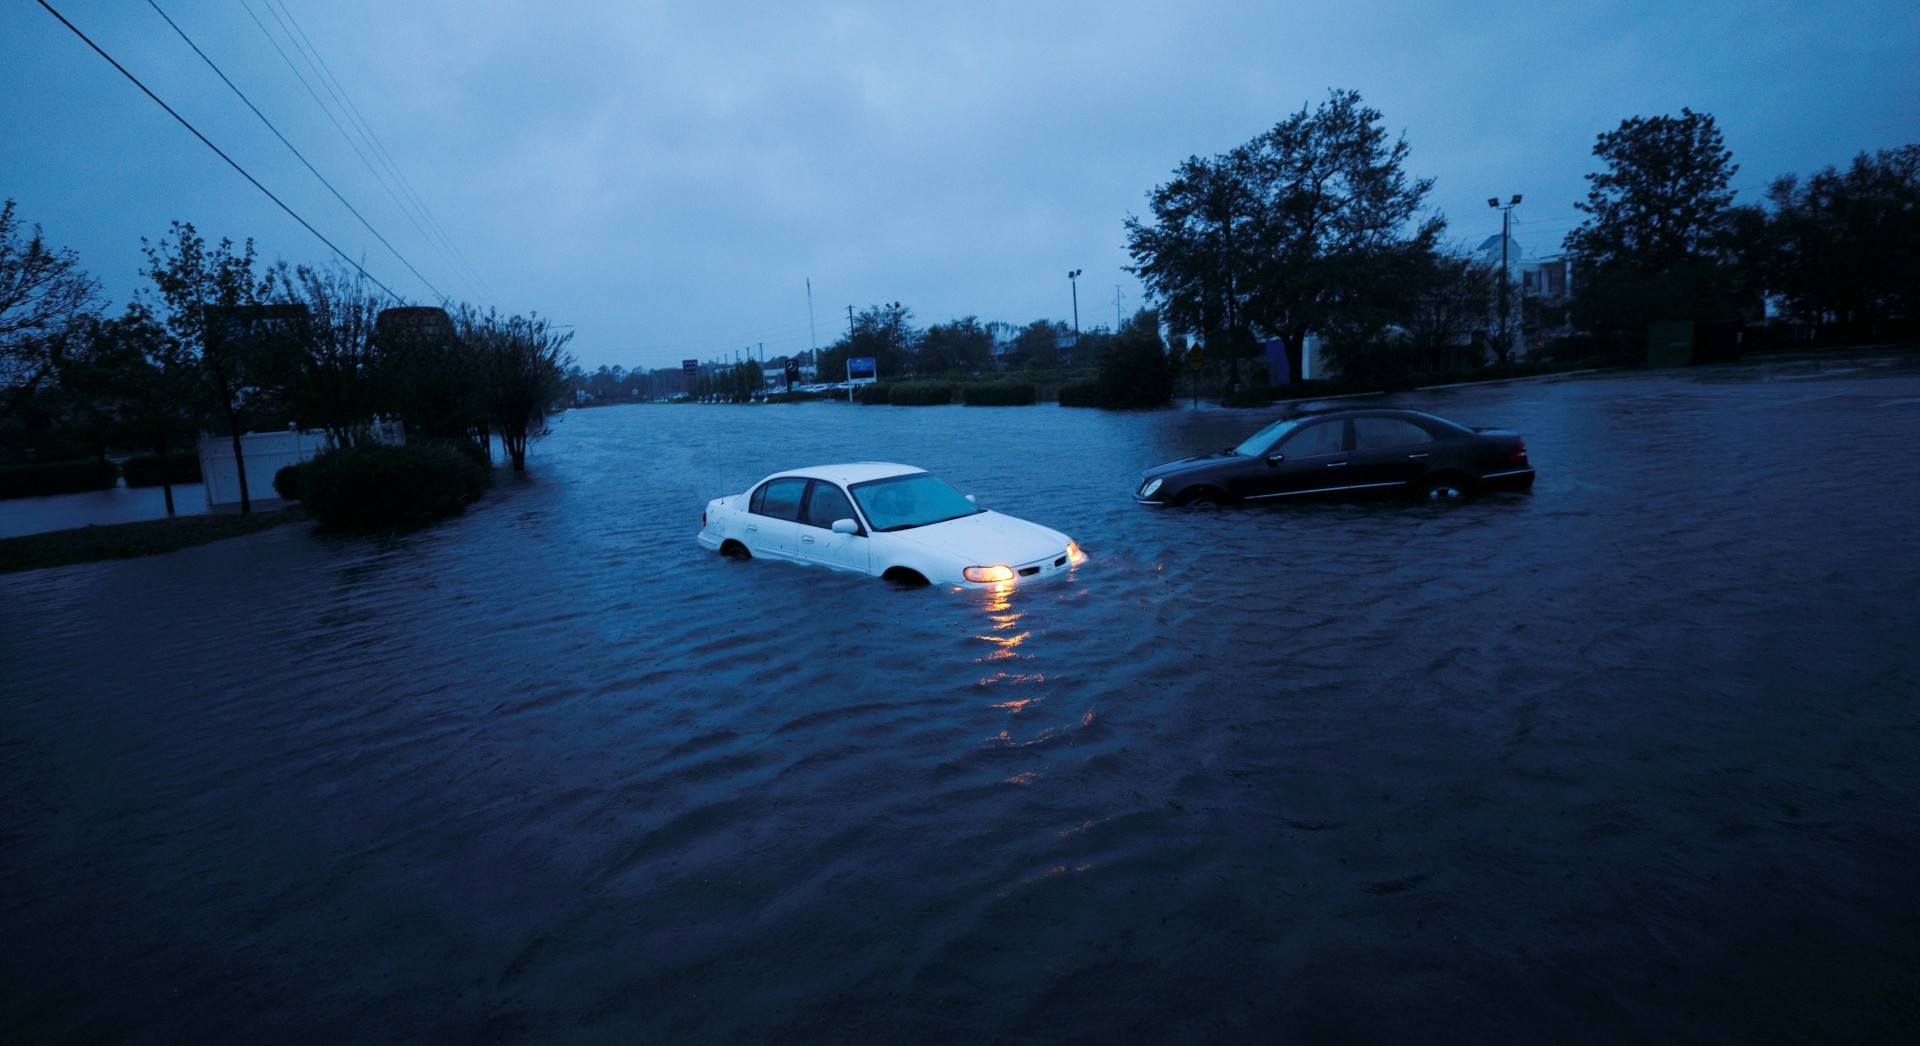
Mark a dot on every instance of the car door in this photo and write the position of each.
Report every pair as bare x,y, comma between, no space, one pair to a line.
1313,458
773,513
1388,452
826,502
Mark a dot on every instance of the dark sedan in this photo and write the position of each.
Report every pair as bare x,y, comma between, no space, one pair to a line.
1346,453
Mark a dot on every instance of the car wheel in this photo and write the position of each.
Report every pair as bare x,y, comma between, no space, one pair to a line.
1204,497
735,550
1443,488
905,578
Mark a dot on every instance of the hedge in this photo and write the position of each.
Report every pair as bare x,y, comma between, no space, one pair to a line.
56,477
380,487
876,394
1080,394
921,394
999,394
153,470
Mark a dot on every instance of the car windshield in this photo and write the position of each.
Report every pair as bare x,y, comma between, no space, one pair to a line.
914,500
1267,437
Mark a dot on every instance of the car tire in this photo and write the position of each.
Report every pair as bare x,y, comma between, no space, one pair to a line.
1203,497
1444,488
735,550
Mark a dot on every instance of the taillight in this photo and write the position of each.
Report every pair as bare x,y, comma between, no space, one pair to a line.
1518,455
703,518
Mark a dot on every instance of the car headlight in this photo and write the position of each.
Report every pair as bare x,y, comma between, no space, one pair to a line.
1147,488
1074,555
987,575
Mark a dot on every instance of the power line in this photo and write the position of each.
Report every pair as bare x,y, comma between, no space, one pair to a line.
216,149
296,152
310,52
406,210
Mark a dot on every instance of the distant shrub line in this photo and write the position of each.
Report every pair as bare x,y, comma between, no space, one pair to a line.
57,477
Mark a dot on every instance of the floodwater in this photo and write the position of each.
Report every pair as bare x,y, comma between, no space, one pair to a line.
1634,757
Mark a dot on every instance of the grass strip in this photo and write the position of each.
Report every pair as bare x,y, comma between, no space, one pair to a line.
91,544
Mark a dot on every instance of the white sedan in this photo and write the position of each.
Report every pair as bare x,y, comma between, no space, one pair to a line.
887,520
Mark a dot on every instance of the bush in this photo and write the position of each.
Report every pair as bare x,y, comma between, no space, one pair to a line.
920,394
876,394
153,470
379,487
472,451
1080,394
289,480
56,477
999,394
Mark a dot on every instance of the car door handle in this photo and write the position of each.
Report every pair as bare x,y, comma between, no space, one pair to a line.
1336,464
1422,456
808,540
752,528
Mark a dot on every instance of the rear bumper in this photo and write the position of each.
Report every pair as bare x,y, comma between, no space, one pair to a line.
1517,479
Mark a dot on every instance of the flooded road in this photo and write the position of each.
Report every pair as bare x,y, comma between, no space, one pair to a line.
1629,758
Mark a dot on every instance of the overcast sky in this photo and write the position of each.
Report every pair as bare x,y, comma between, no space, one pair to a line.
666,177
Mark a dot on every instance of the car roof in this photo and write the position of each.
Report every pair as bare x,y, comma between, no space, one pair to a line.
852,472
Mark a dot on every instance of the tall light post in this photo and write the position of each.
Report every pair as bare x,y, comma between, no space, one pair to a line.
1506,224
1074,279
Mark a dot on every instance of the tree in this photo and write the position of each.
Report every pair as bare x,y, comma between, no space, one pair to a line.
883,332
963,345
1135,369
1451,303
523,365
1280,234
1843,248
1656,244
330,377
132,386
44,297
1038,343
200,288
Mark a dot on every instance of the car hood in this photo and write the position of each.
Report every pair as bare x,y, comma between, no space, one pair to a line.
1167,468
987,538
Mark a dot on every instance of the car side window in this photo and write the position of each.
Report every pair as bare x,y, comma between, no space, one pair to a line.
1326,437
1386,433
779,498
826,504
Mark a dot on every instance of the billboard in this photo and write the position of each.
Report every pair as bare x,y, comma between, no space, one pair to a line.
861,370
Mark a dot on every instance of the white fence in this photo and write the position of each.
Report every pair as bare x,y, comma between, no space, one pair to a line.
266,453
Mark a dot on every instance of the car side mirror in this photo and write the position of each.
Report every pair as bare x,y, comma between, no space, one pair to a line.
1275,458
971,500
845,526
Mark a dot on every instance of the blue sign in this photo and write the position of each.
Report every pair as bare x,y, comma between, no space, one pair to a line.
861,370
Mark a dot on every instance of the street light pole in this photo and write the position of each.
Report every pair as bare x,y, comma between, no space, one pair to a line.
1506,224
1074,279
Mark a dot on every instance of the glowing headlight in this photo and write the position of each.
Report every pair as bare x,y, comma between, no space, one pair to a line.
987,575
1074,555
1147,488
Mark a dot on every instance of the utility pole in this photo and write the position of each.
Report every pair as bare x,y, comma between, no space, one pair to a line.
1506,224
1074,279
1118,299
849,321
813,336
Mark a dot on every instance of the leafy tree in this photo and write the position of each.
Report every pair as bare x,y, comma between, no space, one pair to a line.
1038,343
429,378
331,374
1451,302
963,345
1281,234
523,364
130,385
883,332
1135,369
1843,248
45,297
1656,244
195,283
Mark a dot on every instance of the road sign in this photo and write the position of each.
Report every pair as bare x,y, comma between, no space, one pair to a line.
691,368
861,371
1196,357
